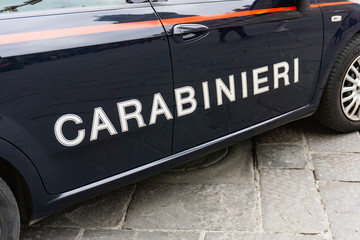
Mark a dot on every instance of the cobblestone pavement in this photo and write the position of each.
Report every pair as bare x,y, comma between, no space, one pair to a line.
299,182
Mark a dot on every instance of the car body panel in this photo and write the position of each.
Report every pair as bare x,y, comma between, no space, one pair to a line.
237,45
337,35
75,74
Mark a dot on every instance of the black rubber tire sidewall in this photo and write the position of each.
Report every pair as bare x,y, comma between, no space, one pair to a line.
330,111
9,214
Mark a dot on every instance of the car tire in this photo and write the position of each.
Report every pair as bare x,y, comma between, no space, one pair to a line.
9,214
339,107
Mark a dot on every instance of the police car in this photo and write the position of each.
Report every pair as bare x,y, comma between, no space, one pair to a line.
98,94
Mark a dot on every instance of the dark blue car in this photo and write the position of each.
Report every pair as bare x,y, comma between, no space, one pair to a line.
99,94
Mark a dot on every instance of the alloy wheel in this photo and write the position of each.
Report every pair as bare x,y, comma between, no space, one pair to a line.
350,91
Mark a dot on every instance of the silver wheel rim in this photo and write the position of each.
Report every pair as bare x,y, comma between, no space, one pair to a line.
350,91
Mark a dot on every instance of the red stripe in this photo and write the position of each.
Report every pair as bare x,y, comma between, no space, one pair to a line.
224,15
67,32
334,3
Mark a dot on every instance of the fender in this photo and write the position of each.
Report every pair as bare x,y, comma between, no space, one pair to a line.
336,36
27,170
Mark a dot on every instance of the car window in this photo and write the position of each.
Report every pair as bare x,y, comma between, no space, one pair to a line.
8,6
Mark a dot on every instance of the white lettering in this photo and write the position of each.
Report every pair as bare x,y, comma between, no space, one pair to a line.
180,102
59,133
124,117
244,85
284,75
184,99
158,101
205,87
257,81
222,88
296,70
101,122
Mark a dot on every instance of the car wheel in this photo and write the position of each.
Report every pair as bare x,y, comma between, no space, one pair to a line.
340,103
9,214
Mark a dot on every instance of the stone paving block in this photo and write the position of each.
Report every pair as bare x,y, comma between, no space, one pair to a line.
290,202
192,207
345,226
259,236
49,233
338,167
236,167
321,139
290,133
104,211
340,196
136,235
281,156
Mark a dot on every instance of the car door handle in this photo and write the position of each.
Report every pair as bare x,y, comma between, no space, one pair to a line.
184,33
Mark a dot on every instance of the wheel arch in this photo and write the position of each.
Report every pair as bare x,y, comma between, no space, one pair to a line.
19,188
24,181
331,51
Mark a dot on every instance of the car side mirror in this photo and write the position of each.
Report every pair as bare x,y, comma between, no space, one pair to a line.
303,5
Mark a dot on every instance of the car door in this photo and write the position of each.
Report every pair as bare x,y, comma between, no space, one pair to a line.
238,63
87,90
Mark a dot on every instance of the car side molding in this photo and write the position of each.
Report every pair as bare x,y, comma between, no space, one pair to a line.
181,157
